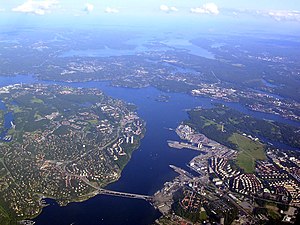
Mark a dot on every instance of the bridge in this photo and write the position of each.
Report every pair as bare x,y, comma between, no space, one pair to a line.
124,194
115,193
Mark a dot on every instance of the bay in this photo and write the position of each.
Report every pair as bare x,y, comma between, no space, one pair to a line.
148,169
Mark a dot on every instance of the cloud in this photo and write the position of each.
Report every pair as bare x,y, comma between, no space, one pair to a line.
2,10
208,8
164,8
88,7
36,7
111,10
278,15
168,9
174,9
282,15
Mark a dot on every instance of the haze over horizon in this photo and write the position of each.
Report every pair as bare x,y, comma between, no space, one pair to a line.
206,16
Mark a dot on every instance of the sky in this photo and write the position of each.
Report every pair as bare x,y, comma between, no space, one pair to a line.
276,13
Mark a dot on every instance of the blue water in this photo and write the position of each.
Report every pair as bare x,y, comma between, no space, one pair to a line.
107,52
268,84
260,115
182,44
2,106
149,167
264,92
133,47
142,45
18,79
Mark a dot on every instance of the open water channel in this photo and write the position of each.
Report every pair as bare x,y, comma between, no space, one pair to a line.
148,169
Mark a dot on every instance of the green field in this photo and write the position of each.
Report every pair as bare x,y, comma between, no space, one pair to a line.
37,100
6,216
1,118
249,152
209,122
93,121
203,216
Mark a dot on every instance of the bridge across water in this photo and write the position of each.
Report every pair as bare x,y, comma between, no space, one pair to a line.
124,194
103,191
117,193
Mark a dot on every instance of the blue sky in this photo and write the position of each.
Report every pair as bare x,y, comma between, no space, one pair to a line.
274,12
149,6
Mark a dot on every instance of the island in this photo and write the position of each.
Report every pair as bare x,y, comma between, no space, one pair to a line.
63,143
250,71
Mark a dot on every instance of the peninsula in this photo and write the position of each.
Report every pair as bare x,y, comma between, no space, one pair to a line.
63,143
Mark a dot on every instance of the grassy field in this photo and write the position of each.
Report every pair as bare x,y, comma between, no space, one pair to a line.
249,152
4,216
273,211
1,118
15,109
203,215
37,100
93,121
